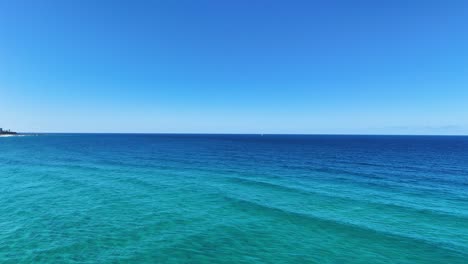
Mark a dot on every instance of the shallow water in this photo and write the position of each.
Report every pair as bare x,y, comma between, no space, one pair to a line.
85,198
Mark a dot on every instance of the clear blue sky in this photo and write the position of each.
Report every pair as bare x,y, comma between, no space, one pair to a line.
243,66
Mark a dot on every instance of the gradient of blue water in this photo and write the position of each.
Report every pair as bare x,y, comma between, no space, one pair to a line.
106,198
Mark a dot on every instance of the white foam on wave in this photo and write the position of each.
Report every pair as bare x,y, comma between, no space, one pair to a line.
15,135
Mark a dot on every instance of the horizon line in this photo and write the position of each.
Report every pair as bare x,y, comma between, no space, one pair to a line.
226,133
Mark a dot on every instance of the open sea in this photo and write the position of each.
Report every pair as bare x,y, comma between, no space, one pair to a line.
169,198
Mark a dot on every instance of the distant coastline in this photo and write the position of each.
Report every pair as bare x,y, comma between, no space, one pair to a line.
7,132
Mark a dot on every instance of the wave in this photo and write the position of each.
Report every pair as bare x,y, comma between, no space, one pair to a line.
349,230
325,195
392,180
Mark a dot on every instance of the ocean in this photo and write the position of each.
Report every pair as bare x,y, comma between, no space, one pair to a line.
188,198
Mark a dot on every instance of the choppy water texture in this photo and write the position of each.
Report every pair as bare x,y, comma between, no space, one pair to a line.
233,199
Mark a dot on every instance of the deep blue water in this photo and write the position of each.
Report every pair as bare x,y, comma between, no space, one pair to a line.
167,198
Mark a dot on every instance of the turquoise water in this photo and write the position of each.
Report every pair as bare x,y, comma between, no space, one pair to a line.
70,198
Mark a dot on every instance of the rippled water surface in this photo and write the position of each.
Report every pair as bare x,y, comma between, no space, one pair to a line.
70,198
